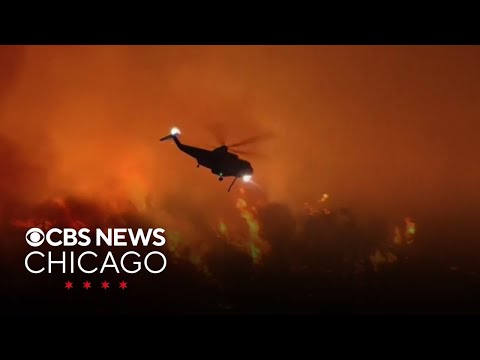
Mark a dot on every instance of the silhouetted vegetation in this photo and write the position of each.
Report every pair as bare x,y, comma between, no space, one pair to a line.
320,263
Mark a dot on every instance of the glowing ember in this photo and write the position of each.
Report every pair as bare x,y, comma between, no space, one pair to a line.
318,207
222,228
379,258
410,229
397,237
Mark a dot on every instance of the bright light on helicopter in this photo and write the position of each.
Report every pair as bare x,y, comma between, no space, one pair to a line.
246,178
175,131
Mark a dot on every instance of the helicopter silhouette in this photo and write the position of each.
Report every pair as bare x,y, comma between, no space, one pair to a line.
222,161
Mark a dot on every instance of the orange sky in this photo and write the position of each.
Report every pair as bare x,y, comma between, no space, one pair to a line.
392,129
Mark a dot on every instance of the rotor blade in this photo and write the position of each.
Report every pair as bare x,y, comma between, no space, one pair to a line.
219,131
248,153
253,139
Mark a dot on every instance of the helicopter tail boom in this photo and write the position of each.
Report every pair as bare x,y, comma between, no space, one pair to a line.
174,132
168,137
174,136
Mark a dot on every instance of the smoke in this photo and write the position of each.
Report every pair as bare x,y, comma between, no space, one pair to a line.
395,141
79,131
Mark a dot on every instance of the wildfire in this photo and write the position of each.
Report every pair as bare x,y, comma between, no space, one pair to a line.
182,241
405,235
410,230
63,215
222,229
187,239
319,207
30,223
181,249
379,258
401,236
253,243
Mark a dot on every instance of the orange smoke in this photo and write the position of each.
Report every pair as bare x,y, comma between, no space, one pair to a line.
84,123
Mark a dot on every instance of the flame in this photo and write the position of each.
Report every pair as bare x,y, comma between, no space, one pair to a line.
30,223
242,229
379,258
64,216
311,211
222,229
410,230
253,243
407,235
256,245
397,236
319,207
401,237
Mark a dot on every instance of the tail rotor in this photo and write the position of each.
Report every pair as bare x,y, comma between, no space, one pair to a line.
174,132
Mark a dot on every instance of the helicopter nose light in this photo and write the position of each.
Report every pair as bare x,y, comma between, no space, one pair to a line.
175,131
246,178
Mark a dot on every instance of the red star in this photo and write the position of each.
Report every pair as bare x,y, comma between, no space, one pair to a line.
68,285
123,285
87,285
105,285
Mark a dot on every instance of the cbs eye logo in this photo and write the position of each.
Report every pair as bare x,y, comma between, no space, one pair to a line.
35,237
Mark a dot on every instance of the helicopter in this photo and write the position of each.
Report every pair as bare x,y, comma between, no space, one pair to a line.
222,161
